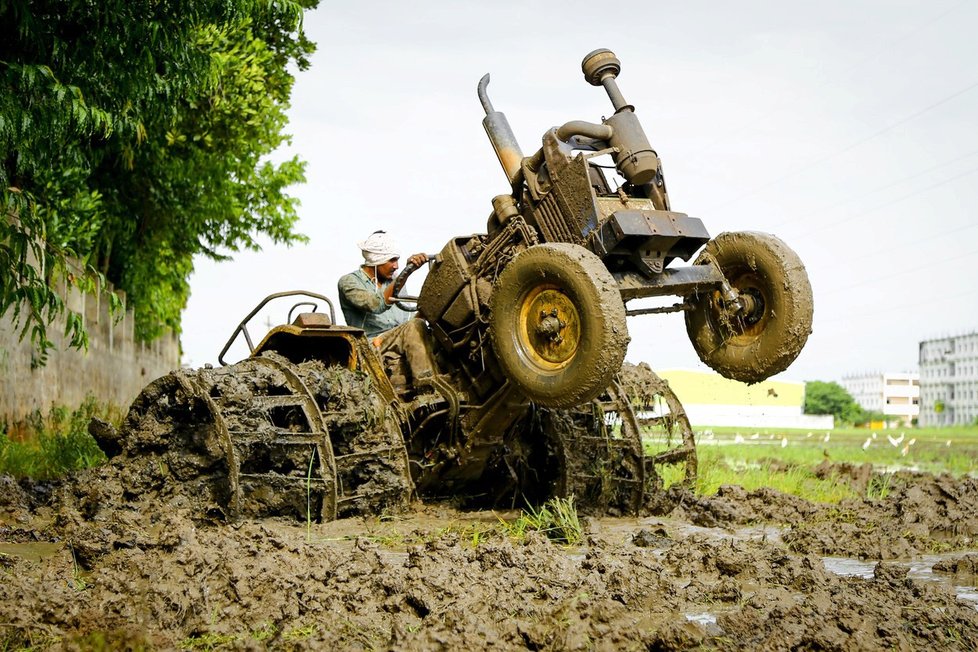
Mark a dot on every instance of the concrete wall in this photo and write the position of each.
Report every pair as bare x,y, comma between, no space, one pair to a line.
711,400
747,416
113,370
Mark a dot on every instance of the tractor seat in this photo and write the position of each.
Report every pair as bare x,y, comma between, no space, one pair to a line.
312,320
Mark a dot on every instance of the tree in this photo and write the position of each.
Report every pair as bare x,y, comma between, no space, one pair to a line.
134,136
831,398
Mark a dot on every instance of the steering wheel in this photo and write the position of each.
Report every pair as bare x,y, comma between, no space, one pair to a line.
399,283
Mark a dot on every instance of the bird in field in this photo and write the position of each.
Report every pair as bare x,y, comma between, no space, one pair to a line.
895,441
869,440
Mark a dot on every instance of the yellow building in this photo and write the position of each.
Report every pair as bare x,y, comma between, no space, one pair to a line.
712,400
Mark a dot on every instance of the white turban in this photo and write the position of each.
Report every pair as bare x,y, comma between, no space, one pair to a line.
378,248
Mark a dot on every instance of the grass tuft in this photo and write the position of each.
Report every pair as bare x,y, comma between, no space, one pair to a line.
557,519
55,444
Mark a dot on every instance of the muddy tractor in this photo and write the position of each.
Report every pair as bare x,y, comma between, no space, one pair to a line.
527,327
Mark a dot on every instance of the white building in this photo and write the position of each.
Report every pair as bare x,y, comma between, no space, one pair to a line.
895,395
949,380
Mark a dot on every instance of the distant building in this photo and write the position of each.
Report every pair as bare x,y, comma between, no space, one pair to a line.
895,395
712,400
949,381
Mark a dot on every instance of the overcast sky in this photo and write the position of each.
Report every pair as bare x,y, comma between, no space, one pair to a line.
847,128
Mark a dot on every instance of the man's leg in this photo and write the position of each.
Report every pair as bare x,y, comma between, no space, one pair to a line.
412,341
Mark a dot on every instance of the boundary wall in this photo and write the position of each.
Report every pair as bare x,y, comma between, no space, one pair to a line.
114,369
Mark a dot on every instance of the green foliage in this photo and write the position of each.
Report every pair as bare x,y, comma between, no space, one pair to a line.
56,444
134,136
831,398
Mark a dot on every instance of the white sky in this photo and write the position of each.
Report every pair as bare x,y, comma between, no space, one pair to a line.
847,128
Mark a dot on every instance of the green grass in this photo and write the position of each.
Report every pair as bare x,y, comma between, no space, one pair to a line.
556,518
930,450
52,445
785,459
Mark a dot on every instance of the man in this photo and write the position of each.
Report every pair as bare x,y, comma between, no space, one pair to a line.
366,295
367,300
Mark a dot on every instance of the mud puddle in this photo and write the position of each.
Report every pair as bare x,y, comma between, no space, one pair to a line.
30,551
647,532
964,585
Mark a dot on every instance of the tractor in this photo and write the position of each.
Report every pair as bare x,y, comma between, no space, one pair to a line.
527,327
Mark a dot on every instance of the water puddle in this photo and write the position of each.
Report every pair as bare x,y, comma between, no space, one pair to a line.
848,567
703,618
920,568
31,551
707,620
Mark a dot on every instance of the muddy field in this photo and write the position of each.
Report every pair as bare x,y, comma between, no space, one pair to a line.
87,565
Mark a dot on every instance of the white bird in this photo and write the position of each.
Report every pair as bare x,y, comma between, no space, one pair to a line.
895,441
904,450
808,435
755,435
828,436
739,438
869,440
912,442
784,442
948,444
874,436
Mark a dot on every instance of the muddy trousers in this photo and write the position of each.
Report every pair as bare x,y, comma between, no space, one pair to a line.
409,343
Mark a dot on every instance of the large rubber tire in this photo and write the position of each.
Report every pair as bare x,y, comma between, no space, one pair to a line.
568,288
753,347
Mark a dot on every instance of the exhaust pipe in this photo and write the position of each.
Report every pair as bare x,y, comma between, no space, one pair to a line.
500,135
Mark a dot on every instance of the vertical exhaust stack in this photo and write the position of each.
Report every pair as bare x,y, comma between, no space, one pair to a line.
636,160
500,135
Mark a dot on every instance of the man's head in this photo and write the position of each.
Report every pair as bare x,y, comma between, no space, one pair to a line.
381,253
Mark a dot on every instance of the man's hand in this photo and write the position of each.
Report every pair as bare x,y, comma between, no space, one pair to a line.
414,262
418,259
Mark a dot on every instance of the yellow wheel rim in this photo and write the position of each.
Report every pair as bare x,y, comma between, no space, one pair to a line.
548,332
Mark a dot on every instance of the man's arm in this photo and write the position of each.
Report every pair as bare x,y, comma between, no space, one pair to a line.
367,299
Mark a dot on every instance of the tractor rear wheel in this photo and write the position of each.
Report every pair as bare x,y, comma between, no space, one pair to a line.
266,437
616,454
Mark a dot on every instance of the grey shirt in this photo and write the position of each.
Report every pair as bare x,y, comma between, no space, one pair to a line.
363,305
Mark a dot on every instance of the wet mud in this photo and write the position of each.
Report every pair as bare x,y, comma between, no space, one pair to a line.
88,563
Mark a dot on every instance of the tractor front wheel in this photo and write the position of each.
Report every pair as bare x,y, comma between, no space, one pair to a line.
764,334
558,324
